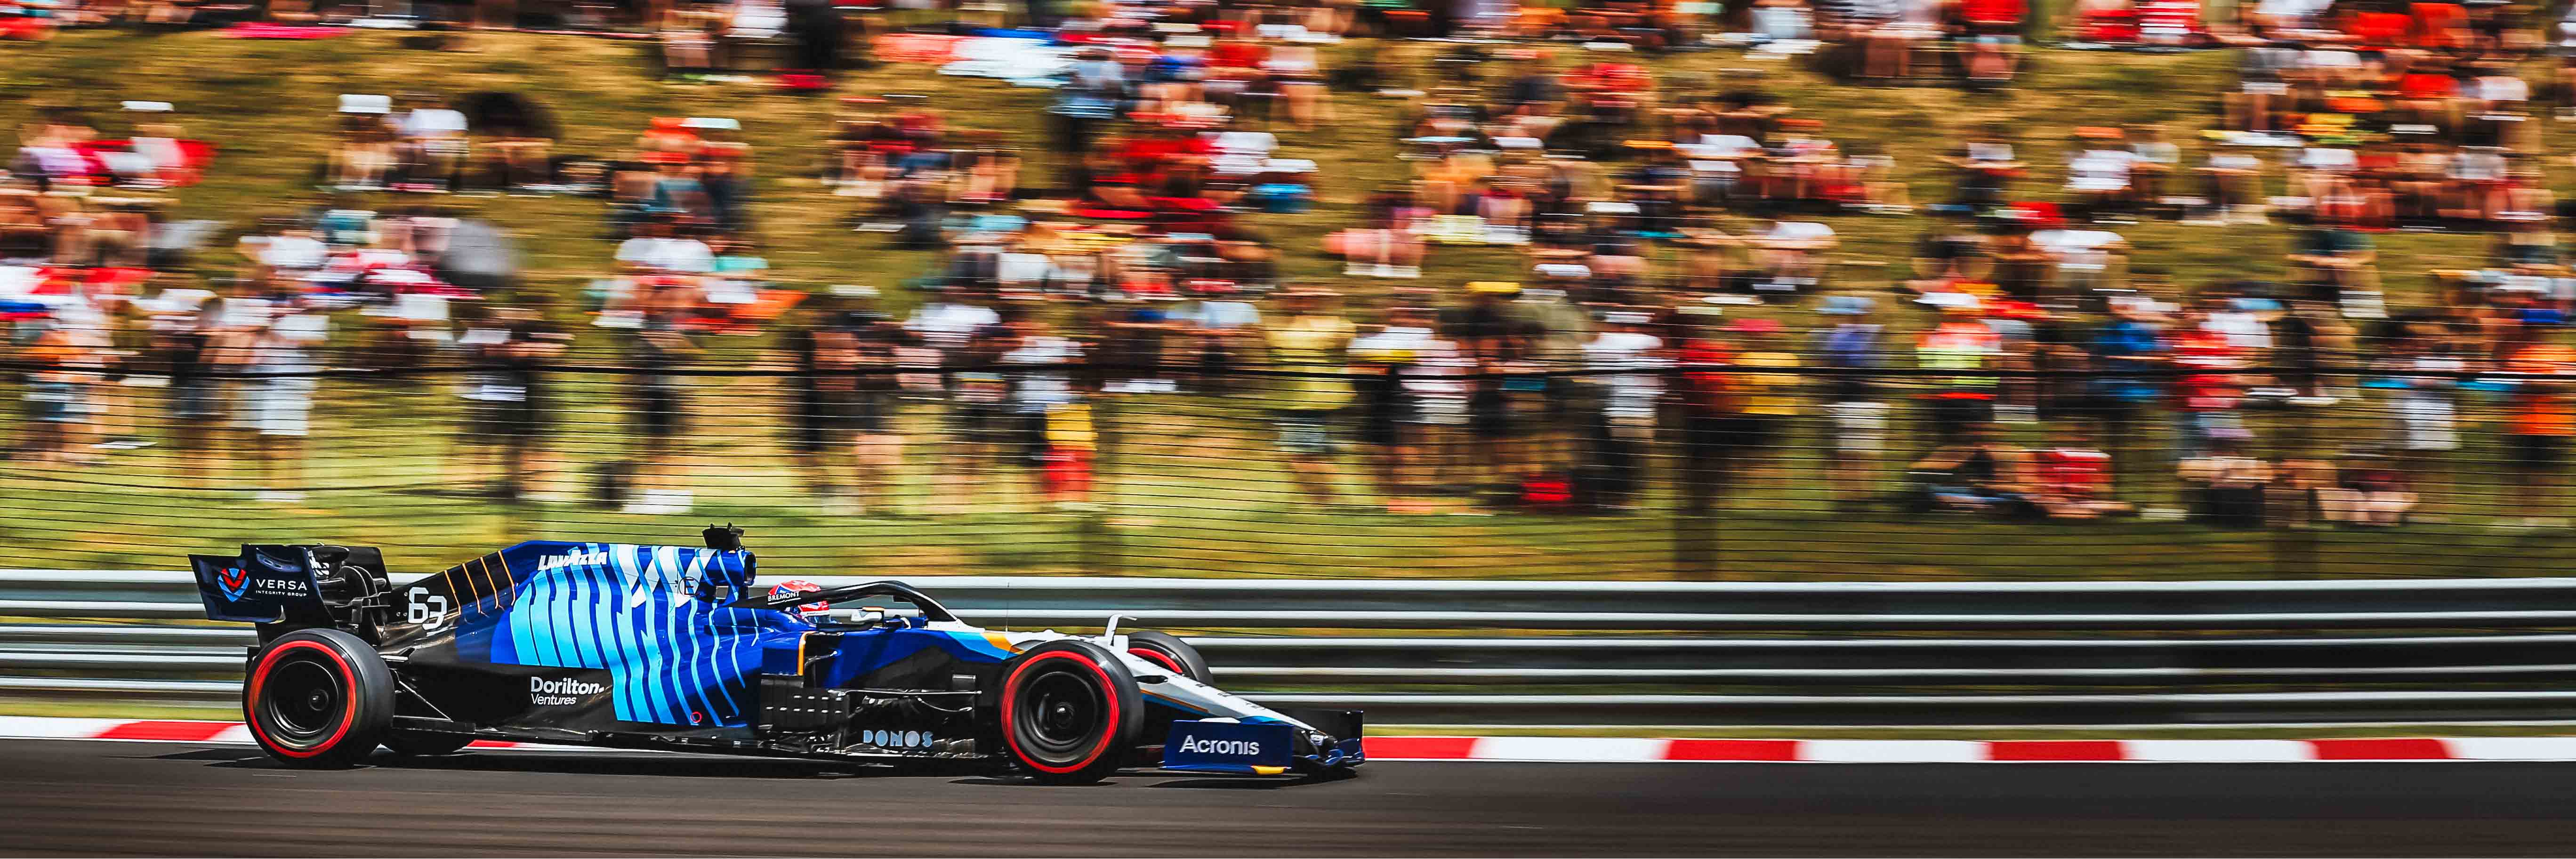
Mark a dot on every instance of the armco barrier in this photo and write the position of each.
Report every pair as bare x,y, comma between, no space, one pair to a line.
1439,651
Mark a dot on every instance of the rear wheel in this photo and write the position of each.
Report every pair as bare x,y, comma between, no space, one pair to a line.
1067,711
1170,652
318,698
425,743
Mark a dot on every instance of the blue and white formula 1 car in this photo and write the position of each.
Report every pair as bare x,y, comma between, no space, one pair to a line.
671,647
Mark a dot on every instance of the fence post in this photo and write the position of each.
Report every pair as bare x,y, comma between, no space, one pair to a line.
1697,523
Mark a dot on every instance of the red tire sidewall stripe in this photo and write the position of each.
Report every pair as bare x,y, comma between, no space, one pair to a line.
1159,658
1010,694
258,678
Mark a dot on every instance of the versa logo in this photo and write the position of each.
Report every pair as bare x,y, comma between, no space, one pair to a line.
233,581
1194,745
574,559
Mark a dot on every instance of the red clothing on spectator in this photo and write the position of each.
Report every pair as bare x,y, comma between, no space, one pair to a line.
1706,391
2200,348
2074,471
1993,13
2427,86
1236,55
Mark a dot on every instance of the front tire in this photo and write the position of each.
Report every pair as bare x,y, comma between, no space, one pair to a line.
1066,712
318,698
1170,652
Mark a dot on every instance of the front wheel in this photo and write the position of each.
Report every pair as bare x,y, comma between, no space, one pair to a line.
318,698
1170,652
1066,712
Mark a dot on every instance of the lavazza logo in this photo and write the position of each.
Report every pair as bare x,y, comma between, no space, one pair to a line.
1196,746
544,691
574,559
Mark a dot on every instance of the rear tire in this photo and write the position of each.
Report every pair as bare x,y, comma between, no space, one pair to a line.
424,743
318,698
1066,712
1170,652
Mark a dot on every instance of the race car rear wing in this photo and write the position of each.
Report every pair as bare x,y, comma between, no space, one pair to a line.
296,585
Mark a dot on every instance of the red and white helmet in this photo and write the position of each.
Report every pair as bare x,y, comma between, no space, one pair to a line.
793,586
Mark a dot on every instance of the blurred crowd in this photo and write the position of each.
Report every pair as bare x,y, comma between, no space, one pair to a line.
1680,325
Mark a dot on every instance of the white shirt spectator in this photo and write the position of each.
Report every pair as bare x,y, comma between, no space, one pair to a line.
1041,392
2329,159
667,254
293,253
2077,247
433,122
2243,330
2099,170
946,325
2503,88
2328,59
1436,364
1632,395
1800,231
2477,166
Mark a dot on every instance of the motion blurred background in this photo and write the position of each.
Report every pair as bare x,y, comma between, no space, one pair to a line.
1695,292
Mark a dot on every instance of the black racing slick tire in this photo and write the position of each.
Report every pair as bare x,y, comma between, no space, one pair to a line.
424,743
1171,652
318,698
1066,712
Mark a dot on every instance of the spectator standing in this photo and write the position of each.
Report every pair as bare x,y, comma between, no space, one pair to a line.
1770,400
1049,425
1847,350
1968,347
526,406
962,334
2427,406
202,353
2123,349
1708,408
660,409
1387,416
2208,394
2543,418
824,349
1626,422
63,362
281,398
1307,346
506,396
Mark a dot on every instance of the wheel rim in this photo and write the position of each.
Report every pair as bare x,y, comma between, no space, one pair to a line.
303,701
1061,719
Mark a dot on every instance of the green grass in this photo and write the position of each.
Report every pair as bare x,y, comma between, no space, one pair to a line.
1192,484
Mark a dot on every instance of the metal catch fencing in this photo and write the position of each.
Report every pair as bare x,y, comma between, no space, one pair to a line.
1652,471
1672,653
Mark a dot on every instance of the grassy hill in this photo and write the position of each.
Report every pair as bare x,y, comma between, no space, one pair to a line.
1198,492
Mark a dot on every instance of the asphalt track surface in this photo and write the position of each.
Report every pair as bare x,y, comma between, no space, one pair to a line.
108,798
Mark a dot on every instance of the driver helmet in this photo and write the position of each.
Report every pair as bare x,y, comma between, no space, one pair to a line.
792,586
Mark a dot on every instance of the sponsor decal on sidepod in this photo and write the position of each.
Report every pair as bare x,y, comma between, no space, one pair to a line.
544,691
